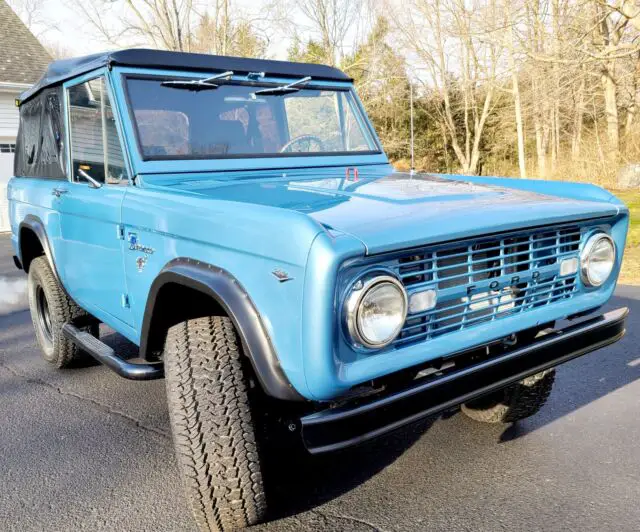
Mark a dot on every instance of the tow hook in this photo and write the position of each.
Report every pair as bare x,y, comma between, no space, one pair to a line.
510,341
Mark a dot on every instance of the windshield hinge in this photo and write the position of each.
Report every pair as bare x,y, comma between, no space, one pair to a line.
120,230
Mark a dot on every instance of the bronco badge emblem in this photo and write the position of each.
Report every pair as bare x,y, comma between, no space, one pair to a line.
134,245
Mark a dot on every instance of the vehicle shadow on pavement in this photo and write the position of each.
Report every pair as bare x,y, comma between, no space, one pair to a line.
306,482
590,377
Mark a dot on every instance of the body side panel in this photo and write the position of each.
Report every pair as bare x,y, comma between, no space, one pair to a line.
31,201
236,302
248,242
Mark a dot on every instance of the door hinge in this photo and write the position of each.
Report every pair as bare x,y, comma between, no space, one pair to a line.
125,301
120,229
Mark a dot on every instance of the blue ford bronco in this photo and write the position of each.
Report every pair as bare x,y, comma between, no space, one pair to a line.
238,220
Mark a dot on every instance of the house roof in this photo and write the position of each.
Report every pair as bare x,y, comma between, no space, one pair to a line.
60,71
23,58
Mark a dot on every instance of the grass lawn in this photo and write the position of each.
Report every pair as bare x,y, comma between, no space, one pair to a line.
631,265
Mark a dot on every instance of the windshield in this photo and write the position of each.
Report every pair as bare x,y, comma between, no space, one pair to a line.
235,120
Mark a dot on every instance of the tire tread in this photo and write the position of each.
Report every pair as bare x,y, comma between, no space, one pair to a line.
519,401
212,426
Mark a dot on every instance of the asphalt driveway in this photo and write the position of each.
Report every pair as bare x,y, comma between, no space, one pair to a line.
85,449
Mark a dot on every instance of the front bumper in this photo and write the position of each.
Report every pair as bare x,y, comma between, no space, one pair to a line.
356,422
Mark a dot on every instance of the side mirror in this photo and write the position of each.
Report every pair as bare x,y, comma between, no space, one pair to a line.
93,183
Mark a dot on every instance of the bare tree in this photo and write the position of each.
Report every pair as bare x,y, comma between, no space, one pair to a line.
28,10
219,32
166,24
31,12
450,39
510,23
325,24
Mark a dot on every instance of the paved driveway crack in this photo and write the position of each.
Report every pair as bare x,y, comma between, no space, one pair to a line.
325,515
101,406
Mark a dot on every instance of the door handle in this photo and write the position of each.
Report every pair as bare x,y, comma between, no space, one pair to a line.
57,192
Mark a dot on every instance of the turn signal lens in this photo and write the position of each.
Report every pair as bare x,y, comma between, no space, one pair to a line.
568,267
422,301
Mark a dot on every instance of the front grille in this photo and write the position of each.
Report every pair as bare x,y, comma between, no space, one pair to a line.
487,278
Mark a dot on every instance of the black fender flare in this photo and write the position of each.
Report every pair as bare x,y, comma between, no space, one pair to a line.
33,223
233,298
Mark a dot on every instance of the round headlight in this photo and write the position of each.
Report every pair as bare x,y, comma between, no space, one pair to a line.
376,310
598,259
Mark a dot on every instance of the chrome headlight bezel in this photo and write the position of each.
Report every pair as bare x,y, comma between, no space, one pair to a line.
353,304
585,256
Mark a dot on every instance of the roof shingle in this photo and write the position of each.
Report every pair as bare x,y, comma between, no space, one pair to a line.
23,58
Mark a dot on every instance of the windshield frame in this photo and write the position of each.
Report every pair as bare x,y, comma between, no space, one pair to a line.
242,80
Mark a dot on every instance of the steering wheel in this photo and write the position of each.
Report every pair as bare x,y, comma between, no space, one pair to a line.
309,139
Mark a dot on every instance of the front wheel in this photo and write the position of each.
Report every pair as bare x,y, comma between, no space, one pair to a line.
213,425
518,401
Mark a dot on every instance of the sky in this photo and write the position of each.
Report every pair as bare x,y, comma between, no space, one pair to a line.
58,25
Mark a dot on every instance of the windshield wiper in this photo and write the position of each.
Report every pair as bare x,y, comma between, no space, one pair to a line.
284,89
197,84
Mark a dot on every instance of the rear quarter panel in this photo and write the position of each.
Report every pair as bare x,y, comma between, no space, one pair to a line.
31,196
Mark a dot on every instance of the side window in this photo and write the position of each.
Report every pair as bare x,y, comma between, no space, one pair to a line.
95,146
354,138
40,143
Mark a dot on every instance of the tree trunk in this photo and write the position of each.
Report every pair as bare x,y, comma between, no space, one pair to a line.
541,151
555,113
554,138
522,160
517,102
578,119
635,101
611,111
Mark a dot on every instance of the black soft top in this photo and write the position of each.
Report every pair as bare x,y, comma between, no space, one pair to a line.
65,69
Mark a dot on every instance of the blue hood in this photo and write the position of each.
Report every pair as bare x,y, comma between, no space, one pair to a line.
399,210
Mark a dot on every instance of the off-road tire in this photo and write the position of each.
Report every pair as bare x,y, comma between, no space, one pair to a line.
213,425
56,349
518,401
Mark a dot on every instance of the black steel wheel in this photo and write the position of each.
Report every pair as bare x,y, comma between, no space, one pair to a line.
50,309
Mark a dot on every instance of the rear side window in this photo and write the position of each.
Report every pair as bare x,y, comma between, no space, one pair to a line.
40,144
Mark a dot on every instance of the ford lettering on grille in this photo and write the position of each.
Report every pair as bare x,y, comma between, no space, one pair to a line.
487,278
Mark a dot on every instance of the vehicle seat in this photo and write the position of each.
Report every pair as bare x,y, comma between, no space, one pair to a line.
223,136
155,151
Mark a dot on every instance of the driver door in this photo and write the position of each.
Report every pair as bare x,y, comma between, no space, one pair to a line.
91,203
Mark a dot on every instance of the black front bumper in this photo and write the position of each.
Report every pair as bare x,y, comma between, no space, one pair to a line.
353,423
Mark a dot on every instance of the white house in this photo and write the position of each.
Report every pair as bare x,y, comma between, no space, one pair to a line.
22,62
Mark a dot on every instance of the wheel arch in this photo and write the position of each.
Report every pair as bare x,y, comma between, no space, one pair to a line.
217,291
33,242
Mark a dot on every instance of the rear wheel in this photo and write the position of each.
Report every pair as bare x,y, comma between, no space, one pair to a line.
212,421
50,309
518,401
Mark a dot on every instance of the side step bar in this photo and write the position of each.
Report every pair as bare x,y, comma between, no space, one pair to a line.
107,356
359,421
